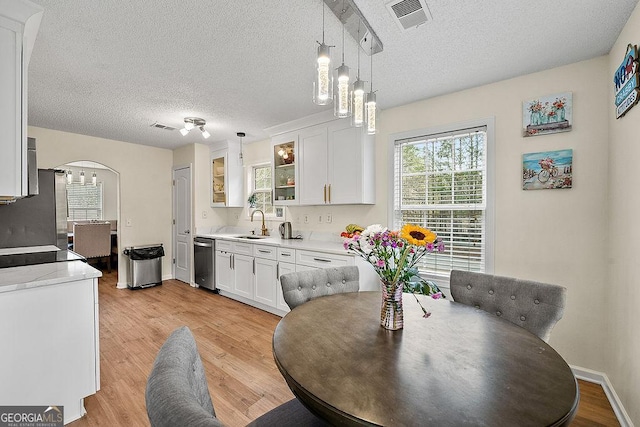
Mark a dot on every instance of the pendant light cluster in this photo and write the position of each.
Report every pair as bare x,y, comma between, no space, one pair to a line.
349,100
82,180
194,122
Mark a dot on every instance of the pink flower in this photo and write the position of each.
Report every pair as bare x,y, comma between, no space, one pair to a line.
426,314
437,295
380,263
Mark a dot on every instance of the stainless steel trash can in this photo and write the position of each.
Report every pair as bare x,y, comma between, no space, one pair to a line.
145,266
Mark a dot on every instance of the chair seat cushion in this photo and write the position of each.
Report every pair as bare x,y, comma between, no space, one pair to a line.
290,414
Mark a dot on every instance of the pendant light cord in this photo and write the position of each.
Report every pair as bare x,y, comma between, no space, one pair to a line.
343,11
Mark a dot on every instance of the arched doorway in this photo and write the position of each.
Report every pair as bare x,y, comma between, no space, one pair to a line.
93,194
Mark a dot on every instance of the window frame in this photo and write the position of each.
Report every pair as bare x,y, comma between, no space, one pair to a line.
251,187
98,185
489,232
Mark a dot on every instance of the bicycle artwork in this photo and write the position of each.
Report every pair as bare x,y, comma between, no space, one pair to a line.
547,170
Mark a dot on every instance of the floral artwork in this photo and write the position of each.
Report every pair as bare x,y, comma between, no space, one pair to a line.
548,114
547,170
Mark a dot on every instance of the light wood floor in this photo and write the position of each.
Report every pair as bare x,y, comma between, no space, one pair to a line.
234,341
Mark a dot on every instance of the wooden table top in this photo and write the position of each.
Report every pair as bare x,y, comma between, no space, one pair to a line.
461,366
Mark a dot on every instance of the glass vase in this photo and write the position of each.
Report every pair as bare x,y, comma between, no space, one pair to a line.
391,313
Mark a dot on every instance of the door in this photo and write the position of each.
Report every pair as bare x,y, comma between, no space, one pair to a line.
243,271
312,166
266,281
182,224
223,271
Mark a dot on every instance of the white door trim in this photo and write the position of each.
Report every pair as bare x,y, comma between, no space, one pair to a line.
189,213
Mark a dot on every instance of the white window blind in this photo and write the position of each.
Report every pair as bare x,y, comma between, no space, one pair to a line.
84,201
440,183
262,188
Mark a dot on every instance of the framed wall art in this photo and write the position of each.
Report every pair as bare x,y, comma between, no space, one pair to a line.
547,114
547,170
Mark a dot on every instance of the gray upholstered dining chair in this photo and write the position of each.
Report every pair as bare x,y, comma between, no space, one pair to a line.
534,306
177,393
302,286
93,240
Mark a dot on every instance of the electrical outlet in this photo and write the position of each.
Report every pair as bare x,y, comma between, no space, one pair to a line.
329,218
204,214
306,219
320,219
129,223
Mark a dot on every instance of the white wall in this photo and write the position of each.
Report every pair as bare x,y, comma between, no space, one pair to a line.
145,185
623,283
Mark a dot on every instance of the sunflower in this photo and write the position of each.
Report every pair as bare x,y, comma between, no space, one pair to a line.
416,235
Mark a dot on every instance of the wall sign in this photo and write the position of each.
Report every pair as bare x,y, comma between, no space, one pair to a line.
627,84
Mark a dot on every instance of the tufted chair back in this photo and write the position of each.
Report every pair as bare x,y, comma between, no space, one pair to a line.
534,306
303,286
177,393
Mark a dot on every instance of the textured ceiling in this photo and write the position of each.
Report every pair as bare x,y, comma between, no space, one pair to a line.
112,68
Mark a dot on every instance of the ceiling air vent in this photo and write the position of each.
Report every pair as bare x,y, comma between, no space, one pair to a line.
409,14
161,126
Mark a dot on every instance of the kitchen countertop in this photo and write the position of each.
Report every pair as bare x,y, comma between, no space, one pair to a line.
326,246
33,276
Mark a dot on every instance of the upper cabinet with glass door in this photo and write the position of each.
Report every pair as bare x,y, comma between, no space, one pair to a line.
285,173
226,175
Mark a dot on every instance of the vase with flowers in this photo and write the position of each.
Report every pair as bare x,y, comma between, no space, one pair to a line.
394,255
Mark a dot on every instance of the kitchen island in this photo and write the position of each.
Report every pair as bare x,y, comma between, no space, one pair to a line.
49,334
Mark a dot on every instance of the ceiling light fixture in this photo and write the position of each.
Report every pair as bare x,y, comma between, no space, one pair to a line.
193,122
371,103
69,176
342,102
323,83
241,135
82,177
94,179
357,96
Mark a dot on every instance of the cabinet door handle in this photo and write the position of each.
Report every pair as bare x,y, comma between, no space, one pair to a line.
264,251
285,254
322,260
230,262
329,193
277,271
234,261
324,193
254,266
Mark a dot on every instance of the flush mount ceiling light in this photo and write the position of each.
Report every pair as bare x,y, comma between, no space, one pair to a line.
193,122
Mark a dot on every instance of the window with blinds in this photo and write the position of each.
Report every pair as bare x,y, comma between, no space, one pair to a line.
262,188
84,201
440,183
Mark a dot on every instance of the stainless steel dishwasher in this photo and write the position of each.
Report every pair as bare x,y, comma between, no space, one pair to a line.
203,261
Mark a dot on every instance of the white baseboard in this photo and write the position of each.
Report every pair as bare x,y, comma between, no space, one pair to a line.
602,379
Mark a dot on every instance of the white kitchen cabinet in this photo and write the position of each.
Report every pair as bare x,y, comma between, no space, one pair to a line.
19,22
337,165
226,175
243,272
224,273
51,337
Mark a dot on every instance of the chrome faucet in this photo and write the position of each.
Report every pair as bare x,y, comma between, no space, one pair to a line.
265,232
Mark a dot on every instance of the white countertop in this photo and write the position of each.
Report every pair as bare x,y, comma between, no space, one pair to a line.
333,246
33,276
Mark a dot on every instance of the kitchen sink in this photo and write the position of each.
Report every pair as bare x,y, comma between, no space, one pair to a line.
251,237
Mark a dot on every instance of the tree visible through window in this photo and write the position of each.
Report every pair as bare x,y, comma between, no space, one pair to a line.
84,201
440,183
262,188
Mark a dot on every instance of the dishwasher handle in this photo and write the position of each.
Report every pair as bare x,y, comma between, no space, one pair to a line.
202,244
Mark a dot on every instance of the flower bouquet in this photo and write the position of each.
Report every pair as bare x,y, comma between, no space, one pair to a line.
393,255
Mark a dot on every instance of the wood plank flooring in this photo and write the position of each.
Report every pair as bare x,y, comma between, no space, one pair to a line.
234,341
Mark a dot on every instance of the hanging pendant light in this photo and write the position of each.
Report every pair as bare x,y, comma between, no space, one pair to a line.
357,94
94,179
342,105
82,177
69,176
241,155
371,103
323,83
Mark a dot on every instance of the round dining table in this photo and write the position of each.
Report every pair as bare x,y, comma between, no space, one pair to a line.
460,366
